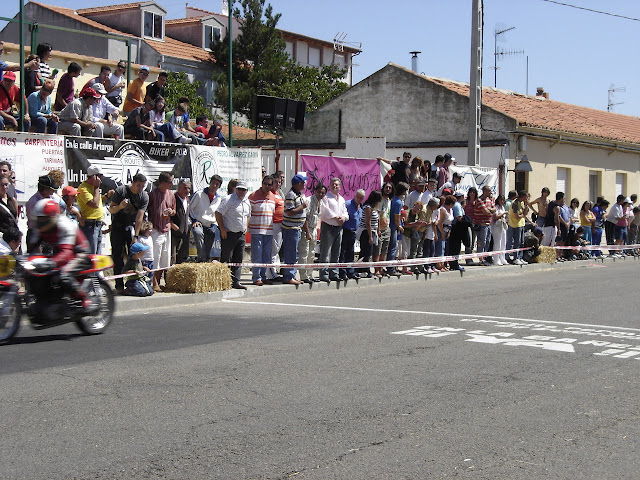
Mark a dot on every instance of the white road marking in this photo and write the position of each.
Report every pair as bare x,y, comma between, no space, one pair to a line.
444,314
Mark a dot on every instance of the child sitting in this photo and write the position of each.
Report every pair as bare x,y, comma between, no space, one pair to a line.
137,284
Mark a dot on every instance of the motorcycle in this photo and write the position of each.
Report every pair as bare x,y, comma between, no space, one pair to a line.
31,286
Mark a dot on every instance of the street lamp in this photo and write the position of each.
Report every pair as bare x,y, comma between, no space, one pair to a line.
523,165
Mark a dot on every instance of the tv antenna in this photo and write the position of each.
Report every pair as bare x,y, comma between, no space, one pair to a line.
500,52
340,41
611,91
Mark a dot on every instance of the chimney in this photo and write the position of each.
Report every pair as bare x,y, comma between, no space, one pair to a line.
225,8
541,93
414,61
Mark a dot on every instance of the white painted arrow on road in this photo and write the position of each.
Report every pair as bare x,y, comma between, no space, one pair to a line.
521,342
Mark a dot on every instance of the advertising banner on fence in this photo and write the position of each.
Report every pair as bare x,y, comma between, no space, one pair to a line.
30,156
475,177
241,163
121,160
355,173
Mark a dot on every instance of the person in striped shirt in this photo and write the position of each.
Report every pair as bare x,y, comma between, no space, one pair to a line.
263,206
293,222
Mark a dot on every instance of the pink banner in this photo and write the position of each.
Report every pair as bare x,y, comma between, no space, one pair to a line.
355,173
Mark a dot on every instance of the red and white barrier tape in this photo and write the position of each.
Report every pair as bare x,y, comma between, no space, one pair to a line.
399,263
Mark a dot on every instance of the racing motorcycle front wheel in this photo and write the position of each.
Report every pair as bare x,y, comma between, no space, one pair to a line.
10,317
101,295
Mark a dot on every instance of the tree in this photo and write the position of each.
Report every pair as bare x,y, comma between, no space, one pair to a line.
261,66
177,86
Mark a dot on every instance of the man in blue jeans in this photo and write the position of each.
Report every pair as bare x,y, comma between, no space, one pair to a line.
293,222
203,213
396,222
90,200
333,214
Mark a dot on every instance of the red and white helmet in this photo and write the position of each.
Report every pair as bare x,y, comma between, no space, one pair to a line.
46,212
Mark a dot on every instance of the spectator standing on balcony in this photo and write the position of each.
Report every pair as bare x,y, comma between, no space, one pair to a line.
43,119
66,88
116,83
102,78
156,89
10,103
43,51
32,80
136,91
77,117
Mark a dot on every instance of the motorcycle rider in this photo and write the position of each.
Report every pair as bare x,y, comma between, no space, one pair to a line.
70,246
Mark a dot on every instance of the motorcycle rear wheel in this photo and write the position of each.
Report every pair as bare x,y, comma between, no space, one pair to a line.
10,323
102,295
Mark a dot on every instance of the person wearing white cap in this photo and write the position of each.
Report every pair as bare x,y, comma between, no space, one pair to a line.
90,200
103,115
233,220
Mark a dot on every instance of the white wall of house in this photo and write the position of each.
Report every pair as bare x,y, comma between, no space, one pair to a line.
582,166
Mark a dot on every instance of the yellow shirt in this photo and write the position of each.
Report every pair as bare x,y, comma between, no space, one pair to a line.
137,91
514,221
85,194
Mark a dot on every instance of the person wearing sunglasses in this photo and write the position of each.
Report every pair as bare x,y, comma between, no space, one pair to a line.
136,91
39,102
116,83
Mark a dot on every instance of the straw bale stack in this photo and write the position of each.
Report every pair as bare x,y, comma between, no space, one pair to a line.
198,277
547,255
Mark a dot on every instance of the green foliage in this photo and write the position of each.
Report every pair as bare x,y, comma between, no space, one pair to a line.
177,86
261,65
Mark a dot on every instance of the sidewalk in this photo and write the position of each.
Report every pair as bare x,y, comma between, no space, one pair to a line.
128,304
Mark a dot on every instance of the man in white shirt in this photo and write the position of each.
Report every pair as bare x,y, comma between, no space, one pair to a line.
451,184
116,84
429,192
414,196
233,219
333,213
104,114
203,208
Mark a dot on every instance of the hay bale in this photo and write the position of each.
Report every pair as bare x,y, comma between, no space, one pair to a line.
198,277
547,255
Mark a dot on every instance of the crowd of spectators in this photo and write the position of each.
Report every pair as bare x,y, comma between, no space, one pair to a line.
104,107
414,220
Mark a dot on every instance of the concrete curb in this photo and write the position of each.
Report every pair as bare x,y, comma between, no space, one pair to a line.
160,300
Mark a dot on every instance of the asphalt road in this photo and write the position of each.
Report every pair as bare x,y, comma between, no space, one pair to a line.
502,375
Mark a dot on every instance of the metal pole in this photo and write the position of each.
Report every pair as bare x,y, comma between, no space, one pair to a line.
22,105
475,84
229,37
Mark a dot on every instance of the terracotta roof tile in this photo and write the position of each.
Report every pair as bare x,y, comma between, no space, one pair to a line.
177,49
559,117
109,8
181,21
68,12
